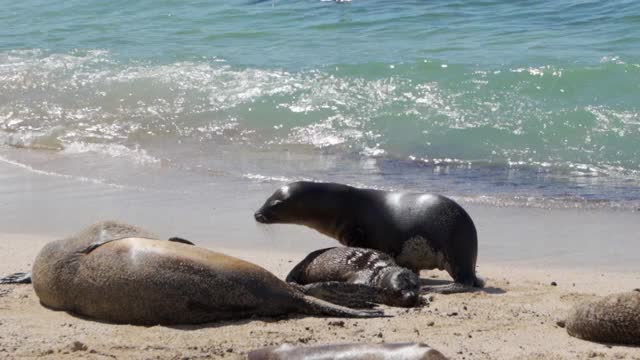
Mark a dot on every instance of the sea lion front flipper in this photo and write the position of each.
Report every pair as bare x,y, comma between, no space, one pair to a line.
181,240
97,244
357,296
17,278
355,236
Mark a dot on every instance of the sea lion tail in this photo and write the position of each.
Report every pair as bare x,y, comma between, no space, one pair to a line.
315,306
17,278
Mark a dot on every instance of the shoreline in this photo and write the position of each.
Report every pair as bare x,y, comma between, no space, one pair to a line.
514,316
15,253
221,215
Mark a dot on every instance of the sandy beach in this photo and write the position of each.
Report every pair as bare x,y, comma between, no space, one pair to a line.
521,252
183,117
514,317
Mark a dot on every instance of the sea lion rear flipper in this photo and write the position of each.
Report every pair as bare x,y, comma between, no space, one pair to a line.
452,288
181,240
315,306
17,278
346,294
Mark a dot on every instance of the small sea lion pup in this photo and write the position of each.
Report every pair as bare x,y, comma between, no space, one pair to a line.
356,277
420,231
612,319
119,273
405,351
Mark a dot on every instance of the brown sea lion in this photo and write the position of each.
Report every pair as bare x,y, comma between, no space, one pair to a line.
420,231
95,233
113,272
612,319
404,351
355,277
99,232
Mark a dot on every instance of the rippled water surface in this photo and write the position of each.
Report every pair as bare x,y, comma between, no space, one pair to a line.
502,102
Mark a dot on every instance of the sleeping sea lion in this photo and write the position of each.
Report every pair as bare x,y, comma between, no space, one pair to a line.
113,272
355,277
404,351
612,319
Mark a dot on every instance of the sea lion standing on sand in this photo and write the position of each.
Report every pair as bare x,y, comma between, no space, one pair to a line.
112,272
420,231
612,319
405,351
356,277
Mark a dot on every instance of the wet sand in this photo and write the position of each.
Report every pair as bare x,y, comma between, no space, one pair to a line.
219,214
514,317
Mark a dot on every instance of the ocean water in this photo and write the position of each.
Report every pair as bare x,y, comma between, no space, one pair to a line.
511,103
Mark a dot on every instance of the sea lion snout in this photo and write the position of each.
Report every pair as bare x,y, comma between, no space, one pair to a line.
404,285
266,215
260,217
408,299
274,204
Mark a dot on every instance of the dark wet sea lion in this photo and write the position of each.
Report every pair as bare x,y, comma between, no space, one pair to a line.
405,351
136,280
612,319
349,276
420,231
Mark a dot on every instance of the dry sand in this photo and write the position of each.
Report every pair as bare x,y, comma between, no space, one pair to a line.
514,317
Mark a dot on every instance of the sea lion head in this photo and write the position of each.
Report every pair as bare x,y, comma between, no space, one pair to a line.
300,203
403,286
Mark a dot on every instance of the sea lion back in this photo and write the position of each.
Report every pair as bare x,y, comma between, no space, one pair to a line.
56,265
612,319
391,351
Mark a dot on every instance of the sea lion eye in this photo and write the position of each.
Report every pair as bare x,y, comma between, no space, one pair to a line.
275,202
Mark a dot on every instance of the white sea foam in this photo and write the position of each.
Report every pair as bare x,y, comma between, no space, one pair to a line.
136,154
265,178
88,103
83,179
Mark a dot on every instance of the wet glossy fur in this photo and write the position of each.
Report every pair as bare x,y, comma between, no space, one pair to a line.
420,231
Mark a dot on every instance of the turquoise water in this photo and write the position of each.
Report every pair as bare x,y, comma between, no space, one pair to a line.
505,102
